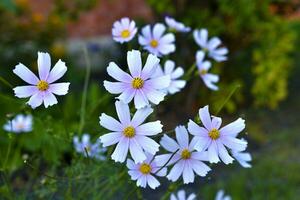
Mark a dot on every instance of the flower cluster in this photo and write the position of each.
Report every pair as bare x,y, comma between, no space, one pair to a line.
146,84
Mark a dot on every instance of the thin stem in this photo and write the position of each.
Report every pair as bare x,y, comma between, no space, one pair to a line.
189,73
228,98
167,161
5,82
85,88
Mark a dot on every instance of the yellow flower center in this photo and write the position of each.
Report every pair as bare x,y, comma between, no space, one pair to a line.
137,83
203,72
129,132
145,168
154,43
214,134
185,154
125,33
42,85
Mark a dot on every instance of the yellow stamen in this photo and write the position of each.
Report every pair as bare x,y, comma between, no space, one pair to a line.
185,154
137,83
42,85
203,72
154,43
125,33
214,134
129,132
145,168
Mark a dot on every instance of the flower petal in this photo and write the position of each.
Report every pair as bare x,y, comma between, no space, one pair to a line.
114,71
35,100
150,128
176,171
150,66
140,99
182,136
44,64
120,153
152,182
223,153
158,83
57,71
110,123
234,128
141,115
205,117
136,151
213,153
134,63
196,130
123,112
110,138
188,174
115,87
25,91
127,95
49,99
59,88
147,144
25,74
158,30
199,167
169,144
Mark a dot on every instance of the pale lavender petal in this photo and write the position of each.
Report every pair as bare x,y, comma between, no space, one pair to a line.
120,153
234,143
49,99
141,115
57,71
205,117
134,63
127,95
44,64
110,138
59,88
25,74
25,91
161,82
114,71
116,87
155,96
234,128
158,30
213,153
216,122
188,174
152,182
123,112
136,151
176,171
140,99
147,144
182,136
110,123
150,66
35,100
199,167
169,144
223,153
150,128
196,130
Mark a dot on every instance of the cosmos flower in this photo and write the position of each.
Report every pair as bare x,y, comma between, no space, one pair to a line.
21,123
210,46
139,84
221,196
130,133
42,89
144,172
214,139
203,67
124,30
187,161
175,25
85,146
169,69
182,196
155,42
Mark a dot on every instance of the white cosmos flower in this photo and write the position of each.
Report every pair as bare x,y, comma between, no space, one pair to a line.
144,172
210,46
169,69
130,133
139,84
187,161
124,30
182,196
175,25
203,67
214,139
85,146
155,42
242,157
42,89
21,123
221,196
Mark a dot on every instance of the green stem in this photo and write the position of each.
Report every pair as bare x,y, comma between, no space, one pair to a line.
228,98
85,88
5,82
188,74
167,161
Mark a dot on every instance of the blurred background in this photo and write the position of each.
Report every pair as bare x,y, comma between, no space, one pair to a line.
264,58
